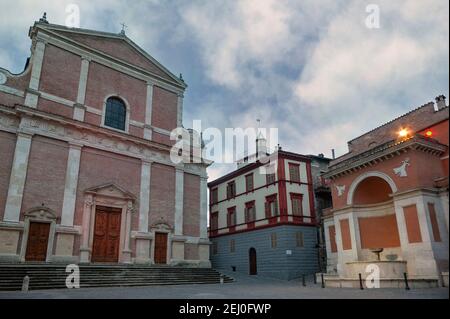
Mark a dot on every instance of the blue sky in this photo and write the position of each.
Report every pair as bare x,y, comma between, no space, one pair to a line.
310,68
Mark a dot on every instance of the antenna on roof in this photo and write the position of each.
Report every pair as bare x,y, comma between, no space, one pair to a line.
122,32
44,18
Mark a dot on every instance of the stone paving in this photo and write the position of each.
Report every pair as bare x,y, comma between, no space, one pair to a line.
245,287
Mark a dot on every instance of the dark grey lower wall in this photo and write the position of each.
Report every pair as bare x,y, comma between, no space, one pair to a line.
286,261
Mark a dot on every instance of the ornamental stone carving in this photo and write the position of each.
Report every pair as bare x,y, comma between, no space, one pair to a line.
401,170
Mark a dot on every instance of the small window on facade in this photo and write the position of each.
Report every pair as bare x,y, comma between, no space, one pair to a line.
297,207
232,247
214,248
214,196
249,182
115,113
214,221
273,240
271,206
270,178
294,172
231,217
231,190
250,212
299,239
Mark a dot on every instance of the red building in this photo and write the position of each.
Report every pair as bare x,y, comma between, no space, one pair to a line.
390,194
85,169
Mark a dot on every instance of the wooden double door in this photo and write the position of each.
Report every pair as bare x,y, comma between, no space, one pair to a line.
38,234
106,243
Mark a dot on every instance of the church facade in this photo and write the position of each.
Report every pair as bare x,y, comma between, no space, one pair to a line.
85,168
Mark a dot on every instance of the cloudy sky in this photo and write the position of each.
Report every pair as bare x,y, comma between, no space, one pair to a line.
310,68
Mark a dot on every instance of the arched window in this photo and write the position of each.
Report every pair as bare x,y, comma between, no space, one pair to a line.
115,113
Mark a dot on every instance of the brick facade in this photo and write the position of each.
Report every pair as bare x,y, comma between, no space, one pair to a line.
390,193
61,161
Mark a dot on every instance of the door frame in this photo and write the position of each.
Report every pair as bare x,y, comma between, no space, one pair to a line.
38,214
120,234
167,248
161,227
108,195
250,261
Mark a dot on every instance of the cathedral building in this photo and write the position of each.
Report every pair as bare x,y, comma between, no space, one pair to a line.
85,168
390,203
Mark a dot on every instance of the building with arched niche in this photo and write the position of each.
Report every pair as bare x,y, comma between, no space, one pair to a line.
85,167
390,202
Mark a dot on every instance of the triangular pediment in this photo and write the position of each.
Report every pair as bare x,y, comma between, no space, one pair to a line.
117,46
110,190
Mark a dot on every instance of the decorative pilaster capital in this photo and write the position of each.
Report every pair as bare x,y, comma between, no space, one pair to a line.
130,208
89,201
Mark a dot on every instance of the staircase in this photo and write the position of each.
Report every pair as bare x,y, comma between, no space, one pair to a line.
45,276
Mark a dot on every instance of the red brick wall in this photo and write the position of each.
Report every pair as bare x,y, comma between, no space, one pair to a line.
55,108
440,133
92,118
162,194
60,73
7,147
100,167
118,49
136,131
20,82
417,176
345,234
414,121
379,232
161,138
412,224
164,109
10,100
191,205
103,82
46,174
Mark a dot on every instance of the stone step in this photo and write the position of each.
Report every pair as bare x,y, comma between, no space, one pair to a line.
44,276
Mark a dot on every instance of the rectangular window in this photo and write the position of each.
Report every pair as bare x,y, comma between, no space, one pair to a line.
231,217
249,182
297,204
214,248
273,240
232,247
270,178
214,196
214,221
299,239
271,206
231,190
294,172
250,212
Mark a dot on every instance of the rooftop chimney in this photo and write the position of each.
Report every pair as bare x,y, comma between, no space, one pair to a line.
440,102
333,155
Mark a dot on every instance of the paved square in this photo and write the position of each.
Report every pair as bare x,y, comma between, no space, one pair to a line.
244,287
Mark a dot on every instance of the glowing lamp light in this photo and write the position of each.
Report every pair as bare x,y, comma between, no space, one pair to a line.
429,133
403,132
